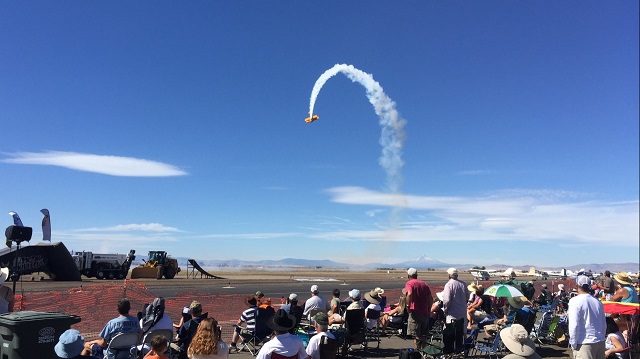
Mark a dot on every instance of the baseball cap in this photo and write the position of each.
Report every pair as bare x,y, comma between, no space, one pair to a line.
314,289
452,271
354,293
293,296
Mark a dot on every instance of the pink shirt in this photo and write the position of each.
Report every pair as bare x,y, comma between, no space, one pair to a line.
420,296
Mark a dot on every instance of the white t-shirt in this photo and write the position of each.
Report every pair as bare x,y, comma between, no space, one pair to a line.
284,344
371,322
313,348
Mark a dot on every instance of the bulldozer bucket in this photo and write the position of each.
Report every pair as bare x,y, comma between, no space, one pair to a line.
144,272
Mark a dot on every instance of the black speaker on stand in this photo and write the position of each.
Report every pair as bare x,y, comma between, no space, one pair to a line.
17,234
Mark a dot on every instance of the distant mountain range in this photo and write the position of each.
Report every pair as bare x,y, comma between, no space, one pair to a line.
421,262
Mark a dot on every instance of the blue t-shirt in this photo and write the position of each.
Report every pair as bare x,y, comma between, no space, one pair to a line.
123,324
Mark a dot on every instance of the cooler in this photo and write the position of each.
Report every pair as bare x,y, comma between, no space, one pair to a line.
28,334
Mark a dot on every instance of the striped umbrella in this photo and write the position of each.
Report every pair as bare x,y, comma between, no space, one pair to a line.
503,290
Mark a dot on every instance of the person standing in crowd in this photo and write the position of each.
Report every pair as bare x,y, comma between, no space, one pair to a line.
454,297
607,285
587,323
419,303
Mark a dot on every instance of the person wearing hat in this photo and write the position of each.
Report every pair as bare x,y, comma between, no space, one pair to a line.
315,302
354,296
189,328
419,303
625,292
283,343
587,323
475,306
321,325
248,317
71,345
7,298
124,323
454,297
373,297
516,339
292,307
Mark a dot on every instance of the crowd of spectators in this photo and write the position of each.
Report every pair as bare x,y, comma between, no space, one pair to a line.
458,308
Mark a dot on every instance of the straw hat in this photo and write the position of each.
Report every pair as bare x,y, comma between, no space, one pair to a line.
519,302
4,274
622,278
472,287
372,297
517,340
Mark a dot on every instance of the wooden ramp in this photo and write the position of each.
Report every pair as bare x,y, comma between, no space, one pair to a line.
193,266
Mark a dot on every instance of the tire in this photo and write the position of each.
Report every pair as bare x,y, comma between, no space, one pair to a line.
169,272
110,275
160,272
100,274
120,275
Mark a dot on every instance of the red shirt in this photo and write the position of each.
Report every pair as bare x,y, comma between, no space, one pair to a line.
420,297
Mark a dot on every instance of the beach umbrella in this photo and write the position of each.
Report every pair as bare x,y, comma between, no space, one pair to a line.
503,290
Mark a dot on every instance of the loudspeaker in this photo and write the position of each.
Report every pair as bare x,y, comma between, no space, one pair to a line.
18,234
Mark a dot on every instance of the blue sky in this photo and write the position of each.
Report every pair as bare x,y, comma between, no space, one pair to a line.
179,126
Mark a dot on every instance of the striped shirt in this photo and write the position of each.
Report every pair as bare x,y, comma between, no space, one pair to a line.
249,317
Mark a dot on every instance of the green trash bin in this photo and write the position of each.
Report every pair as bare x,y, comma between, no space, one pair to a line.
27,335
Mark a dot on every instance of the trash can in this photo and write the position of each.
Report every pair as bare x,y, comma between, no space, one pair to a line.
28,334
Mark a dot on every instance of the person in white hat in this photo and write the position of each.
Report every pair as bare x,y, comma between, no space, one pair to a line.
454,297
587,323
315,302
7,298
419,301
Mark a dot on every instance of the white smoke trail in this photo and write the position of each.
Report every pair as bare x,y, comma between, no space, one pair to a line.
392,136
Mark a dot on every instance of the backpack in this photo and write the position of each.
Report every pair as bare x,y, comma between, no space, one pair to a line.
153,312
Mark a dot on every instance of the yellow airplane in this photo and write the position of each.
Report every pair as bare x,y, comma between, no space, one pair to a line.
311,119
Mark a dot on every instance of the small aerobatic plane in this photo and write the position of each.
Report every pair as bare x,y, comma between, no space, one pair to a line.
311,118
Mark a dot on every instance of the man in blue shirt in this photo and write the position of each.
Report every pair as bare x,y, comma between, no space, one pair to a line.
124,323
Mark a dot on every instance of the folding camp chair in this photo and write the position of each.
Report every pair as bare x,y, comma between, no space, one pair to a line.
490,351
146,341
253,340
328,348
356,331
122,346
374,332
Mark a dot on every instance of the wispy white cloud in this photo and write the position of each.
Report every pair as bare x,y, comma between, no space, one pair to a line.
108,165
147,227
257,235
532,216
